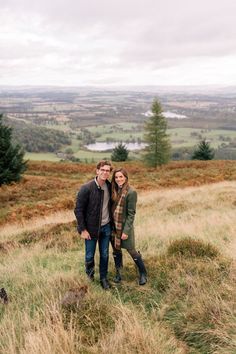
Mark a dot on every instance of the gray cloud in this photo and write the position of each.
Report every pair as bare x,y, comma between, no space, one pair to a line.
109,40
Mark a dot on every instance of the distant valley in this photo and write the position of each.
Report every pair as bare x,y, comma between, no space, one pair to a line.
55,123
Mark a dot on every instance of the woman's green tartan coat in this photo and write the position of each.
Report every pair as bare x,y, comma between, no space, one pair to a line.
128,219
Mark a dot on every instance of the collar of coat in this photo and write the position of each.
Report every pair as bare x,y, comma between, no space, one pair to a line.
98,185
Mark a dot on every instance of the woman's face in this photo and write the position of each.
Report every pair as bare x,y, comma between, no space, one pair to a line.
120,179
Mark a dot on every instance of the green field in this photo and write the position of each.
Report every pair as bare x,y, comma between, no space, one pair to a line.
62,127
83,155
106,128
46,156
91,156
180,138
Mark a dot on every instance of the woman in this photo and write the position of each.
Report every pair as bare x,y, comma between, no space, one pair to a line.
124,199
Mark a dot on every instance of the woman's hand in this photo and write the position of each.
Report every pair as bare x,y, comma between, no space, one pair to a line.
124,236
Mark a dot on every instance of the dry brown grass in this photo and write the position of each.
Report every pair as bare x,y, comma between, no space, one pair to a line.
136,333
188,304
51,187
35,196
47,337
9,231
207,212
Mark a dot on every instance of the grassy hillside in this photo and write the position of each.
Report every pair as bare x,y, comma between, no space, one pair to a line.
51,187
185,230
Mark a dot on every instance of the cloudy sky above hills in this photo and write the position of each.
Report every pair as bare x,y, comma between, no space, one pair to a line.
125,42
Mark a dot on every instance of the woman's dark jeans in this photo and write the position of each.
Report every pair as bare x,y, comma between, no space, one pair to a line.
103,243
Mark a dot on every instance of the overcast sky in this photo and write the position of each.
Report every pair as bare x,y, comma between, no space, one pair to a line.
117,42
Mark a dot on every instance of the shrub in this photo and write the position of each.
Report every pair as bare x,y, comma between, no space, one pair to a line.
188,247
120,153
11,157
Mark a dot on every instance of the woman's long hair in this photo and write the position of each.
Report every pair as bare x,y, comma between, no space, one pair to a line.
114,186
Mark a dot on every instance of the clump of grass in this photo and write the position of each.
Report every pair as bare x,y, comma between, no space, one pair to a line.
193,291
62,236
202,316
178,208
136,332
188,247
7,246
94,320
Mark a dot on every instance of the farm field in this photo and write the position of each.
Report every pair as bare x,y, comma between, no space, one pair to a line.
42,156
47,119
180,137
185,230
128,132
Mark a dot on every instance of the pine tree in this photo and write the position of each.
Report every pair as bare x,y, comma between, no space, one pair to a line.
120,153
11,156
158,143
203,151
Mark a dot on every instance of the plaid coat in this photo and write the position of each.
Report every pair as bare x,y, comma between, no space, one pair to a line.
128,219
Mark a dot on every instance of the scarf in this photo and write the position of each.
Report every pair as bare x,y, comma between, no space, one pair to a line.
118,209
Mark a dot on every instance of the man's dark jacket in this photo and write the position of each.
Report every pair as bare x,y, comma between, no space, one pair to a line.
88,210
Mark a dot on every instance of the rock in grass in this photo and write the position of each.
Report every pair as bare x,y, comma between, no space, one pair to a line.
3,296
74,296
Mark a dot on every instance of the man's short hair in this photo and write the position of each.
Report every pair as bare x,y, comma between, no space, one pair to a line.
103,163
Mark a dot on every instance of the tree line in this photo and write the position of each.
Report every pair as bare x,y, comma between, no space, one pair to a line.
38,139
158,145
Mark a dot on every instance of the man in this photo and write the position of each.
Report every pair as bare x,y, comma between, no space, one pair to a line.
93,214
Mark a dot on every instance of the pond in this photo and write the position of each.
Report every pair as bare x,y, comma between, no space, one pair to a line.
103,146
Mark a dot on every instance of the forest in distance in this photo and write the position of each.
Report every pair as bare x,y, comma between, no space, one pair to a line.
53,123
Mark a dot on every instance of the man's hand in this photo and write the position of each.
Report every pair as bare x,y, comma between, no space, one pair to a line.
124,236
85,235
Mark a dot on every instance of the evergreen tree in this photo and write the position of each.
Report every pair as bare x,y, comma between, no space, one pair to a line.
11,156
158,144
120,153
203,151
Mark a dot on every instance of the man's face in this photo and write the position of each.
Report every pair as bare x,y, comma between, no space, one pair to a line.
104,172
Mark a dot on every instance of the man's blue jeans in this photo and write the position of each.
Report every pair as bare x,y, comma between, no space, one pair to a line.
103,243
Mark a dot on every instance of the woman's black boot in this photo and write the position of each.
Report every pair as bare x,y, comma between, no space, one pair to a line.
142,270
118,264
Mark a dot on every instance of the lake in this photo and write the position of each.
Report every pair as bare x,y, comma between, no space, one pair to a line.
103,146
167,114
